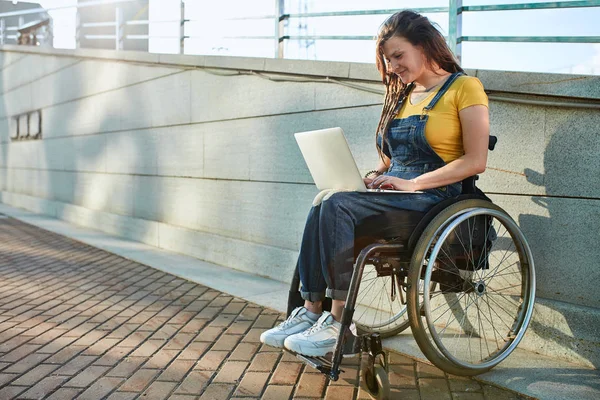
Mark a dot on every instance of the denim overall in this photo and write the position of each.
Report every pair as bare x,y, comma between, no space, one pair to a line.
328,239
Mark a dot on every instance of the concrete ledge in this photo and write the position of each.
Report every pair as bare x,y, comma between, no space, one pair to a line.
525,372
580,86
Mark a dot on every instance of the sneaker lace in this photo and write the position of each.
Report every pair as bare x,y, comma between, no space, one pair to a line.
290,319
320,324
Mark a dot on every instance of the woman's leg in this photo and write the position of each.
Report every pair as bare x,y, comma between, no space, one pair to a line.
339,215
309,263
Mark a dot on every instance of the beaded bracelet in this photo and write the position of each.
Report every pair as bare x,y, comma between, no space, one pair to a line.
374,171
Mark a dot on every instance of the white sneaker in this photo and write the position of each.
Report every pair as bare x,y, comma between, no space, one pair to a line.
317,341
298,321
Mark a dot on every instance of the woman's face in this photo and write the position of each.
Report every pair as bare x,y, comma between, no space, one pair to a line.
404,59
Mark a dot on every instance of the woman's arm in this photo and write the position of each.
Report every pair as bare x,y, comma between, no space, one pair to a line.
475,125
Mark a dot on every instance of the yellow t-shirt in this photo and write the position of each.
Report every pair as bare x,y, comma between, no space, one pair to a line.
442,130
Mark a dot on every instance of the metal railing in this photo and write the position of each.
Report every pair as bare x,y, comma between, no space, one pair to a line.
281,20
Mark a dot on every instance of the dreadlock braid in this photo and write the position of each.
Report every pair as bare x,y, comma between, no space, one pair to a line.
395,95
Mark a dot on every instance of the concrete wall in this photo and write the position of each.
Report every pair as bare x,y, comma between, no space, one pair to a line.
195,155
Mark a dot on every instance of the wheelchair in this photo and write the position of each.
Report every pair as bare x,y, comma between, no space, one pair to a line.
460,275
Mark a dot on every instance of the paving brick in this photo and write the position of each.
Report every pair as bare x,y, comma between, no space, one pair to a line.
176,371
165,332
311,385
114,356
161,359
239,327
75,365
395,358
349,376
20,352
211,360
90,338
179,341
158,390
434,388
43,388
263,362
182,397
494,393
217,392
226,342
47,337
65,394
209,334
265,321
138,381
100,347
148,348
252,384
231,372
195,382
35,375
429,371
249,313
244,352
25,364
127,366
402,375
135,339
87,376
65,354
339,393
253,336
11,392
286,373
277,392
193,351
100,388
193,326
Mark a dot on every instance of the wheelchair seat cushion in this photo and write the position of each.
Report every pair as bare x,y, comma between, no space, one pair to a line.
397,225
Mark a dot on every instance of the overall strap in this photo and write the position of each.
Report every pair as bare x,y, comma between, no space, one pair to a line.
441,92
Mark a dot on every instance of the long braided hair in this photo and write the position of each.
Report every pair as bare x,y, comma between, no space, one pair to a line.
419,31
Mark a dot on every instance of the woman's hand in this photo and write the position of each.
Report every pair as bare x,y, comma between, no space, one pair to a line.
393,182
368,182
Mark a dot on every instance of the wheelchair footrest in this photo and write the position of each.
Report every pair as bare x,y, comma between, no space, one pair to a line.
321,364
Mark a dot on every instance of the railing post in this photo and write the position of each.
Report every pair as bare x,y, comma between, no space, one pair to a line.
182,29
279,28
455,28
119,28
78,29
2,32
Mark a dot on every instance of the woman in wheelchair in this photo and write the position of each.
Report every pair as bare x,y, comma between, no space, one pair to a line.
433,133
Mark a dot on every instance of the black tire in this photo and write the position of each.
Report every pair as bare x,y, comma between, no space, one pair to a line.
441,317
375,381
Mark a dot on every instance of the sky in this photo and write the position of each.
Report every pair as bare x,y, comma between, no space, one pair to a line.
212,22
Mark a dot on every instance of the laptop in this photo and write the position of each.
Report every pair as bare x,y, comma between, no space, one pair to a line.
330,162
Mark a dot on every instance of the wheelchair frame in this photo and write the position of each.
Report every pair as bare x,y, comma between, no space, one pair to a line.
374,371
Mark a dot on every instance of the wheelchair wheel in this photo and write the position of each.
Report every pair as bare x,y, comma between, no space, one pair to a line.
381,304
471,288
374,380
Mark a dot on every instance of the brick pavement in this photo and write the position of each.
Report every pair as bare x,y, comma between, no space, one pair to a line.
78,322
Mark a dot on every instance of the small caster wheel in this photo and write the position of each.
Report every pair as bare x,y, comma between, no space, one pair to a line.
375,381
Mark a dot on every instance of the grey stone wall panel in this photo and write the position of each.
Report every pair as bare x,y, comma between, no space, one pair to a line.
563,235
